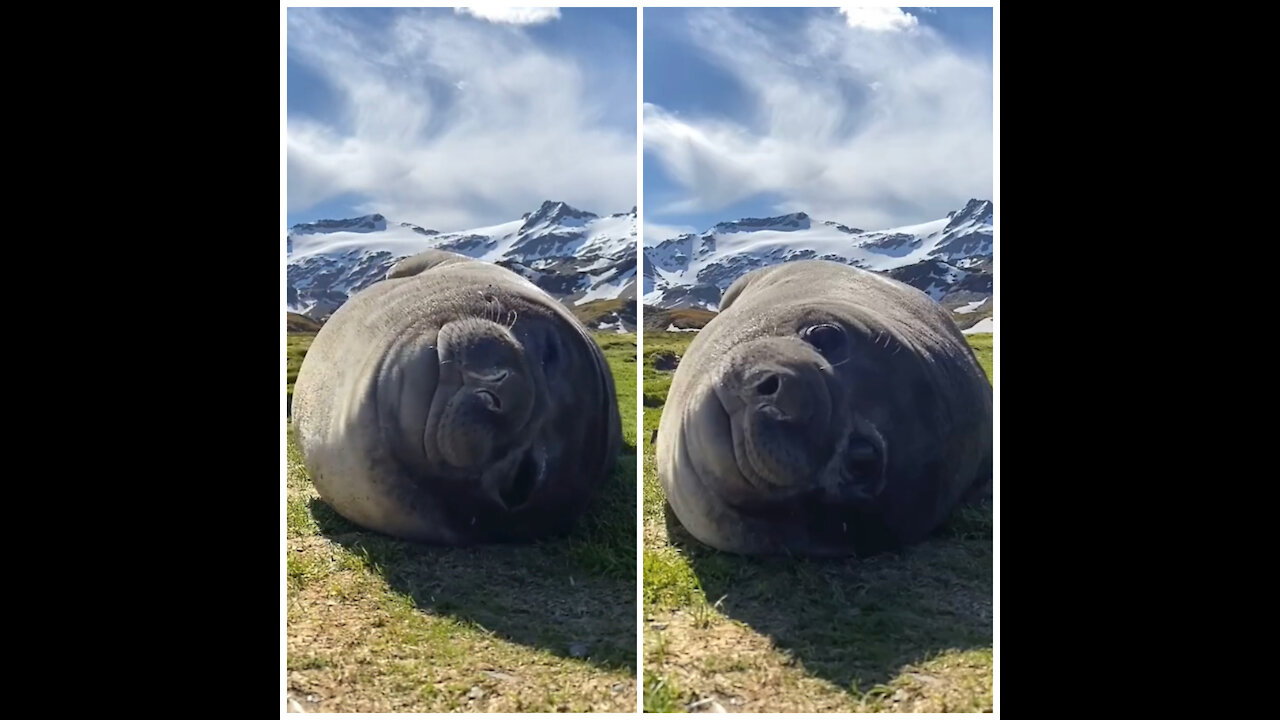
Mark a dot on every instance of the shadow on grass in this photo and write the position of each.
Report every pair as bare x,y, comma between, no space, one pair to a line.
573,596
853,622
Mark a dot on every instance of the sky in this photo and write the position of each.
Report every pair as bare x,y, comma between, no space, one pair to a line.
454,119
872,117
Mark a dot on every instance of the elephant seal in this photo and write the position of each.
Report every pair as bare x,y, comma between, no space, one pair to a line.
455,402
826,411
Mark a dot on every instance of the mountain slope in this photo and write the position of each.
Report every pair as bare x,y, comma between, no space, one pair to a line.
948,258
574,255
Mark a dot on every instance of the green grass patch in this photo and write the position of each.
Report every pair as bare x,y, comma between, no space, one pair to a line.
983,345
660,694
300,323
296,345
669,581
656,318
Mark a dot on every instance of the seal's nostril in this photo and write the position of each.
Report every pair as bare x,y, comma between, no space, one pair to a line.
491,400
861,451
768,386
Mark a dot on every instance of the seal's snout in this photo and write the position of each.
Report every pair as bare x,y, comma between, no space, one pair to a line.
492,396
780,393
491,387
779,409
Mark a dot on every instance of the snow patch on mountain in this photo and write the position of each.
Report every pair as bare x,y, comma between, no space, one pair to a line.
985,325
971,307
609,285
617,327
397,240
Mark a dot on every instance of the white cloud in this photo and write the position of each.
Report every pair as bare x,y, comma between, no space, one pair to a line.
512,15
880,19
451,124
869,129
655,233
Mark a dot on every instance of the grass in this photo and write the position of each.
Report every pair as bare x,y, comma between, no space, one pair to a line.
296,323
909,632
983,345
379,625
656,318
295,350
594,312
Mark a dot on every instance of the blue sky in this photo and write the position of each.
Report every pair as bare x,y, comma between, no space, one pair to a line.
875,118
453,120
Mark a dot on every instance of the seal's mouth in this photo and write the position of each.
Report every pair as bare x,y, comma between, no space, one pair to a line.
528,476
858,469
861,458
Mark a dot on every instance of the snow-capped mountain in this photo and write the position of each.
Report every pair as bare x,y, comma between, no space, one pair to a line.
574,255
950,258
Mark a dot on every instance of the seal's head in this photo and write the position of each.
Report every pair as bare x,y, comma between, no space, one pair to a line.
791,408
483,414
806,421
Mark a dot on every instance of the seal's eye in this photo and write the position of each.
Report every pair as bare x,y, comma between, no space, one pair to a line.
825,338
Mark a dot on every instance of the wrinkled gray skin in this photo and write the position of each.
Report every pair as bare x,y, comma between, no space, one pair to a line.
456,402
824,411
